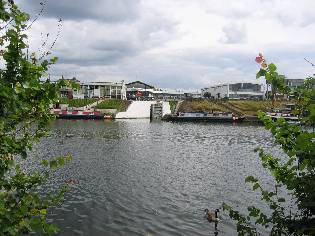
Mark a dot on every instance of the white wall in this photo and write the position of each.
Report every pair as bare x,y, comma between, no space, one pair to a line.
223,90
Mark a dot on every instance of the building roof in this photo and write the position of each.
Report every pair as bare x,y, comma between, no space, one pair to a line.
130,85
102,83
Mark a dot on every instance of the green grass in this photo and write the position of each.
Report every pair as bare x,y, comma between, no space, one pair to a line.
200,106
244,107
250,107
173,105
120,105
76,102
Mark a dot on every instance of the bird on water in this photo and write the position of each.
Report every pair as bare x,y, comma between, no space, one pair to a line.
212,217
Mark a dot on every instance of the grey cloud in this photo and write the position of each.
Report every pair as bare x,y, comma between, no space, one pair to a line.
115,40
221,60
102,10
119,48
234,33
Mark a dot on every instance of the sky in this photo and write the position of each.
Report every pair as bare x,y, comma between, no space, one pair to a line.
173,43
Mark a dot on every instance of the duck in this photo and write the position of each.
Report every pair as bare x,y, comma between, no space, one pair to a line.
72,181
212,217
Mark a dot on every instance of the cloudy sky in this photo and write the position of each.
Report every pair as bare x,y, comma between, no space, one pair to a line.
174,43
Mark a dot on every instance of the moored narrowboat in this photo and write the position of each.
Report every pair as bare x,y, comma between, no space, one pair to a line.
206,117
85,115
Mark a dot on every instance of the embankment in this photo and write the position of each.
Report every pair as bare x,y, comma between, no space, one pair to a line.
247,108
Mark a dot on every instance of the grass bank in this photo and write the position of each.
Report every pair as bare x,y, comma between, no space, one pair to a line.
120,105
241,107
250,108
77,102
173,105
200,106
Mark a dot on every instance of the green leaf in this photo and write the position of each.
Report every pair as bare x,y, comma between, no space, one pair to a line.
53,164
45,162
250,179
261,73
272,67
256,186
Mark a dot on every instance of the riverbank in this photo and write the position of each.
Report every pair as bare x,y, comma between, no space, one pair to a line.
239,107
246,108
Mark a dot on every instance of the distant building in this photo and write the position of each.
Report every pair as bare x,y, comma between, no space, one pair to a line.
139,90
140,85
111,90
168,94
235,91
193,95
68,92
293,83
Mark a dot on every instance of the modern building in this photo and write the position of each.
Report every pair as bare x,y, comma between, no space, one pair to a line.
139,90
111,90
293,83
115,90
168,94
235,91
193,95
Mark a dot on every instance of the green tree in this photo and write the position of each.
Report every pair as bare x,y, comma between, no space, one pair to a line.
294,175
305,96
273,78
24,116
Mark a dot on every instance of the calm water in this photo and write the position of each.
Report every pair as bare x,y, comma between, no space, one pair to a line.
142,178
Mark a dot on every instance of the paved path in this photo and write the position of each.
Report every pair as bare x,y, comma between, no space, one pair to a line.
141,109
92,105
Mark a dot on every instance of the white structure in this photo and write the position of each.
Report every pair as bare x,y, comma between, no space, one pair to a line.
116,90
141,109
235,91
168,94
293,83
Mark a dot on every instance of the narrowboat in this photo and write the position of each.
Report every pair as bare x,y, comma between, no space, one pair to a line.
206,117
85,115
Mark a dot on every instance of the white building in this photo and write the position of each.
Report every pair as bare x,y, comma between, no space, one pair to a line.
235,91
116,90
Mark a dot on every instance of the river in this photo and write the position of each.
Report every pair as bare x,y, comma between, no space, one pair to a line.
141,178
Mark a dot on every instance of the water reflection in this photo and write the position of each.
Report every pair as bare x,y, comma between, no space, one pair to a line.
141,178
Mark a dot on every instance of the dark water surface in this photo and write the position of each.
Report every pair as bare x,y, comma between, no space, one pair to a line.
142,178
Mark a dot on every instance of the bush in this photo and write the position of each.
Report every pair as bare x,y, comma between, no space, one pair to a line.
24,119
294,175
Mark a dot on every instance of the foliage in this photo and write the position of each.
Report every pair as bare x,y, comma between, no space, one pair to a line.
24,116
120,105
306,101
293,175
272,77
77,102
173,105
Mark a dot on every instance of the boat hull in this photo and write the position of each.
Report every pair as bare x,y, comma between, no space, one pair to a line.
80,117
203,119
